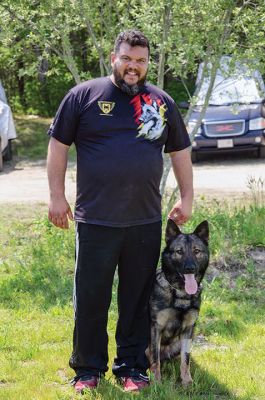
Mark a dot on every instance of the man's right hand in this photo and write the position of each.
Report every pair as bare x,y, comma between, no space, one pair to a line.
59,209
60,212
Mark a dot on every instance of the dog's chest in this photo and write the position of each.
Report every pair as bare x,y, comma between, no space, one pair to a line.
181,304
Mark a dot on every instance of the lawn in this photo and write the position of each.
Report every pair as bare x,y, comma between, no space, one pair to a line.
37,263
32,139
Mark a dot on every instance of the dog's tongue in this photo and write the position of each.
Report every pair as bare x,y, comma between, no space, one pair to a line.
191,285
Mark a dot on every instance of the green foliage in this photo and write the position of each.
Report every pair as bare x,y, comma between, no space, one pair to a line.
43,98
177,91
46,47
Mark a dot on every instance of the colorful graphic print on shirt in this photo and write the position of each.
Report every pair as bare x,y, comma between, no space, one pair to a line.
149,115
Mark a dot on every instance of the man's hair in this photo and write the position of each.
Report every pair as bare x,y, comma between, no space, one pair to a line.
133,38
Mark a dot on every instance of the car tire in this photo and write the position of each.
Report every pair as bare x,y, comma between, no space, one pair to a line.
194,157
8,152
262,152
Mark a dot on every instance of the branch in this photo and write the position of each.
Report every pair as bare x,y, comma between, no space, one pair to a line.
94,39
185,87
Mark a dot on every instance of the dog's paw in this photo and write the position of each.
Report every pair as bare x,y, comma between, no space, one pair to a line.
155,373
157,376
186,381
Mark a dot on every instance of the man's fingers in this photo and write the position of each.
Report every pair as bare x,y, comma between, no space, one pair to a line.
177,216
70,214
59,221
64,222
175,213
59,213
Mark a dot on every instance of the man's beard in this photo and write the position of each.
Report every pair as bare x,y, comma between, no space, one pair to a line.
131,90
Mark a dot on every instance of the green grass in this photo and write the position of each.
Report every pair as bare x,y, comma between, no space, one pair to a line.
36,273
32,139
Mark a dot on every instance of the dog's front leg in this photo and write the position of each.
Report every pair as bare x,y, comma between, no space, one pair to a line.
185,359
154,351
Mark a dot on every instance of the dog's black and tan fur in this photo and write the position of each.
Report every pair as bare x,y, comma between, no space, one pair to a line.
174,311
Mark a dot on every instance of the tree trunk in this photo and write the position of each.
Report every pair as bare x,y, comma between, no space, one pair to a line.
21,86
162,53
102,65
69,58
197,90
215,65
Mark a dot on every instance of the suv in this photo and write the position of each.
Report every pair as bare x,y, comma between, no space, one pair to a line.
7,129
235,116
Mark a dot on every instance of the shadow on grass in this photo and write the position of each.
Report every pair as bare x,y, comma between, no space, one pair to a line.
205,387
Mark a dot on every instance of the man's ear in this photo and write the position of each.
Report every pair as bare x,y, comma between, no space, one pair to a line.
202,231
112,58
172,231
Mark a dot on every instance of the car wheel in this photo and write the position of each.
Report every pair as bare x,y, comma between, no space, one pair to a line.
8,152
1,160
262,152
194,157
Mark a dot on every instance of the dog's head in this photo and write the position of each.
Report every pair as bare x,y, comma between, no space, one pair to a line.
186,256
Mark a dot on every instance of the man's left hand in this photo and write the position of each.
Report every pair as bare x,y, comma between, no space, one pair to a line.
181,212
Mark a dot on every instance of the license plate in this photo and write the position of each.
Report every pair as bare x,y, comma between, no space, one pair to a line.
225,143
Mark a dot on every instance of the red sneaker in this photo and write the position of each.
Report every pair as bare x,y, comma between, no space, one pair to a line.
133,383
86,382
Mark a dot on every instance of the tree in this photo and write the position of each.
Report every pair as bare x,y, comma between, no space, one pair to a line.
68,41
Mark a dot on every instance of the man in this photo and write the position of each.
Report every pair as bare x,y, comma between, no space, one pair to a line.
119,125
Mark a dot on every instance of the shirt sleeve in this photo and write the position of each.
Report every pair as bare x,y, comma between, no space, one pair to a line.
65,123
178,138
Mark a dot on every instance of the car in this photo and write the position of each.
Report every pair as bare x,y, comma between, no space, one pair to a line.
234,120
7,129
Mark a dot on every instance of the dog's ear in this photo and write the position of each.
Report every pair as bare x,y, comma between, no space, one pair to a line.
172,230
202,231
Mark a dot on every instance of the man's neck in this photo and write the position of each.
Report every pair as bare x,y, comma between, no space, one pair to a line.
113,80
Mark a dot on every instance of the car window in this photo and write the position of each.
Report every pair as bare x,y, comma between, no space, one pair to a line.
242,86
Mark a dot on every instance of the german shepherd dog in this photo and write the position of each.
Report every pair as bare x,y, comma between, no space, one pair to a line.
176,297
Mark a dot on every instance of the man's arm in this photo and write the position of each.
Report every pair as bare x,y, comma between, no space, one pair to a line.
182,167
59,209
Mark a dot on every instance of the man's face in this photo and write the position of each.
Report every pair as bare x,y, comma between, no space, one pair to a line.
130,67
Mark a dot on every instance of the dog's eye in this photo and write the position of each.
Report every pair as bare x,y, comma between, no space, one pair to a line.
179,251
197,251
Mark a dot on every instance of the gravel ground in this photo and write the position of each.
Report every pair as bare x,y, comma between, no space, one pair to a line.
222,177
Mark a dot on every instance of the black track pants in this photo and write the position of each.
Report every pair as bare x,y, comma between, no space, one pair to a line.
99,249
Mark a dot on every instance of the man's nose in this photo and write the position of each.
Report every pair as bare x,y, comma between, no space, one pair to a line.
133,63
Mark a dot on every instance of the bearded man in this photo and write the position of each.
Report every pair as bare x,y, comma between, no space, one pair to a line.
118,205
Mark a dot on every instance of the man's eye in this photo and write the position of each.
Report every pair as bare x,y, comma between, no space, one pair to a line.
125,59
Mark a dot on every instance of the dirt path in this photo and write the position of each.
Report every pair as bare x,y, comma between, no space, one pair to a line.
225,177
221,178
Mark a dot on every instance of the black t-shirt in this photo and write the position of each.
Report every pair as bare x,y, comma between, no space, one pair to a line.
119,139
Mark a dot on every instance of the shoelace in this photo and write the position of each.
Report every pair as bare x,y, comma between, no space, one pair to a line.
82,378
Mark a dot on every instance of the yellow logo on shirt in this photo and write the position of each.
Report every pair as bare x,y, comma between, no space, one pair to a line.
106,107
